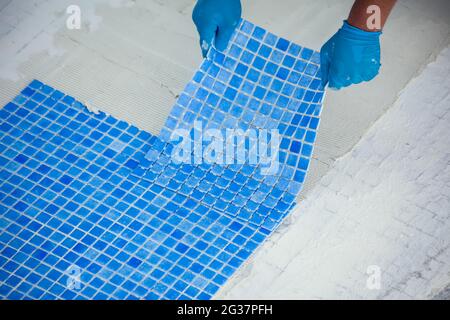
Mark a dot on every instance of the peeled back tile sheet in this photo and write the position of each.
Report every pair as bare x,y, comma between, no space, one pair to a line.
94,208
260,82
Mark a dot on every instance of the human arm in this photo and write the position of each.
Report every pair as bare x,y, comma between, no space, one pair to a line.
353,55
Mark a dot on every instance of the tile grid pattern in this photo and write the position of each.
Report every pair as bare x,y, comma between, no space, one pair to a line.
59,209
78,192
261,82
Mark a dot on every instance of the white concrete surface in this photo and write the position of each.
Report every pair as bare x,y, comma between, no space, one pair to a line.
132,57
378,224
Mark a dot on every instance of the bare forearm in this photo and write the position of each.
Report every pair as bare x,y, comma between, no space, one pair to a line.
370,15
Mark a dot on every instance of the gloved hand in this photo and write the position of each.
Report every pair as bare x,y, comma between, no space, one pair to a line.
215,21
351,56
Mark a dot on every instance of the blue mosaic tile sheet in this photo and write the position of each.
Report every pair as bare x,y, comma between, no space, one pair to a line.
93,208
68,202
260,82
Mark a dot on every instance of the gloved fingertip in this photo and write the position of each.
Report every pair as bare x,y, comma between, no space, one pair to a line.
223,37
207,33
324,66
324,76
324,82
221,45
334,88
335,85
369,76
205,46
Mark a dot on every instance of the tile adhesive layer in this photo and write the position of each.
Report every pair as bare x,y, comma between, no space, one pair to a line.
94,208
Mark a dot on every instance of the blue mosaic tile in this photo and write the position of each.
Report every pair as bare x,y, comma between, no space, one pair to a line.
242,88
94,208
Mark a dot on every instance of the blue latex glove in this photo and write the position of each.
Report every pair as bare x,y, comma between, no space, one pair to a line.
215,21
351,56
